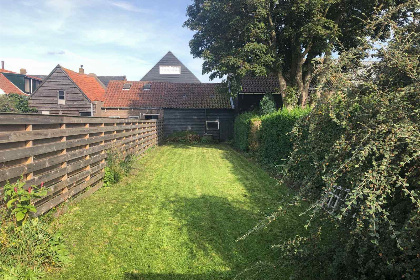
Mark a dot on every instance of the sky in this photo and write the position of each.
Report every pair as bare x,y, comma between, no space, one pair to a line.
107,37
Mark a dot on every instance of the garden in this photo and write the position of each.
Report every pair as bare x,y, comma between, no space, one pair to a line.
326,187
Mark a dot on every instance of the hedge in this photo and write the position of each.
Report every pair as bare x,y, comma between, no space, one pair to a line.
268,135
275,144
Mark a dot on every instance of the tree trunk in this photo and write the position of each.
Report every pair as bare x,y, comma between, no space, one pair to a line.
283,89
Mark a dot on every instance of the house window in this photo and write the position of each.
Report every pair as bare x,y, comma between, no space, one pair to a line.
170,70
212,125
147,86
126,86
133,117
151,116
85,114
61,97
27,85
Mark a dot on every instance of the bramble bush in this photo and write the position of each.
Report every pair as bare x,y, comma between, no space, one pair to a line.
365,137
28,247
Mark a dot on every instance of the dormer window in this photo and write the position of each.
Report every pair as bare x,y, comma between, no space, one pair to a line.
126,86
147,87
61,97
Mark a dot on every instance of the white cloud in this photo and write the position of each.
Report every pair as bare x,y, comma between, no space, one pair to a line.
128,7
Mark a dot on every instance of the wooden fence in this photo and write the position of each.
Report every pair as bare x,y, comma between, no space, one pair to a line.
67,154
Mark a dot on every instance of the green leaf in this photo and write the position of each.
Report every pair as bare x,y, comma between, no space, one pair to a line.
19,216
10,202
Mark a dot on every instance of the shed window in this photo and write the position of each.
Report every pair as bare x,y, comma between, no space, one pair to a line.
151,116
85,114
126,86
212,125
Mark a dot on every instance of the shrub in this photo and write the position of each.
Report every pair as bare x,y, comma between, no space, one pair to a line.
28,247
242,128
19,201
274,138
187,137
118,165
267,105
366,138
15,103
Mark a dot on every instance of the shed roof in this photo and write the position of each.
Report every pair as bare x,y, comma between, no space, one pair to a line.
165,95
136,96
88,84
197,96
268,84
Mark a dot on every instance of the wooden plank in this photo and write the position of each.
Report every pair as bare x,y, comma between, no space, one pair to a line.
41,134
9,118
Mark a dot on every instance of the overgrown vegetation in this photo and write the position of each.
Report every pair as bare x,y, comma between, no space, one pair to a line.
363,137
186,137
28,247
118,165
15,103
366,138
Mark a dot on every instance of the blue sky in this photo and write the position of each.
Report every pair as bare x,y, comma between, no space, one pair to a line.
109,37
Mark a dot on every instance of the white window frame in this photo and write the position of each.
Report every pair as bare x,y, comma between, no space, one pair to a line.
61,101
170,70
218,124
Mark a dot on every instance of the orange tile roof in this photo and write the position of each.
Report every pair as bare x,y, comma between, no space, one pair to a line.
135,97
88,84
165,95
8,87
7,71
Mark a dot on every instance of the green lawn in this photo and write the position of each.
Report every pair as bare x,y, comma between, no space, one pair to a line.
177,216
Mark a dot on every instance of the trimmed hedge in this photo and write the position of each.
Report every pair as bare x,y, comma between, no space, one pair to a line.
270,132
242,129
275,143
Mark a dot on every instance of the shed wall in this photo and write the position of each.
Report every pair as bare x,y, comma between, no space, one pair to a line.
195,120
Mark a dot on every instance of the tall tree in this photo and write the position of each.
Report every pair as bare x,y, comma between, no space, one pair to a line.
276,37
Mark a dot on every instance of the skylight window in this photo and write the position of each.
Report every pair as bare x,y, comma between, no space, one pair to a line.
147,86
126,86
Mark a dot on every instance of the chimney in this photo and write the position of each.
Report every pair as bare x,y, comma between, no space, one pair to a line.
22,71
2,65
81,70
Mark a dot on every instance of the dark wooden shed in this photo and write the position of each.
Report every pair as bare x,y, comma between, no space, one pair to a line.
201,108
217,122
